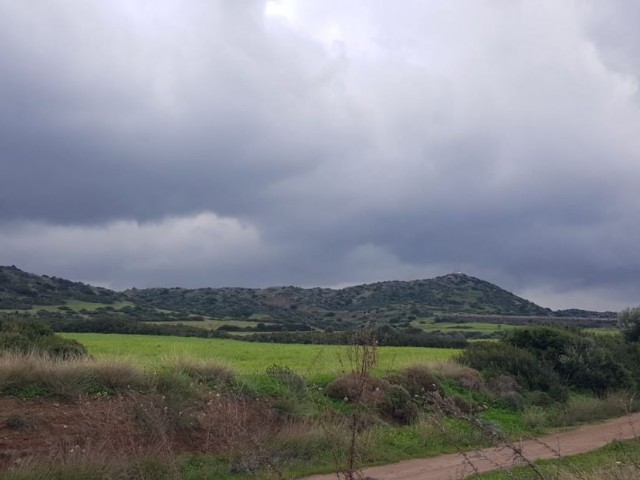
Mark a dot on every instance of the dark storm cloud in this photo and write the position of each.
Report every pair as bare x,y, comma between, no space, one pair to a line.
205,143
111,123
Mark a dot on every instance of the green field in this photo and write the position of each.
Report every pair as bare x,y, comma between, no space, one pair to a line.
431,326
77,305
312,361
74,305
428,325
210,324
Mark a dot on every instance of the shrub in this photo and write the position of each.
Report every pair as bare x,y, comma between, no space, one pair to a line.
496,358
174,385
357,388
456,405
14,341
25,335
582,361
390,401
544,342
507,392
466,377
629,322
503,384
61,347
540,399
587,366
512,401
397,404
417,380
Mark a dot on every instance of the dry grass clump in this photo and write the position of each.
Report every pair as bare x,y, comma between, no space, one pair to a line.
503,385
16,369
304,440
466,377
34,374
203,371
119,376
588,409
38,374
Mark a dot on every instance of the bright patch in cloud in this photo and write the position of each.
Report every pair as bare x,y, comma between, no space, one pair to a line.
284,9
200,242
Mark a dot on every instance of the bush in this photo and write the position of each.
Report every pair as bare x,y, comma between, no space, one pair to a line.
61,347
497,358
540,399
416,379
25,335
512,401
583,361
397,404
466,377
588,367
629,322
357,388
456,405
502,385
544,342
175,385
14,341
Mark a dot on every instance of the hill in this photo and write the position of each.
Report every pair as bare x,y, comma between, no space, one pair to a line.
22,290
393,302
384,300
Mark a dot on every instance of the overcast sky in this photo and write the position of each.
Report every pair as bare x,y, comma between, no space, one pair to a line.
324,143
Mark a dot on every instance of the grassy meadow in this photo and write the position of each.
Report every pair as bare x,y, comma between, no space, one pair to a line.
312,361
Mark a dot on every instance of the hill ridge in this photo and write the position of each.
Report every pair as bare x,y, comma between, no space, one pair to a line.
388,300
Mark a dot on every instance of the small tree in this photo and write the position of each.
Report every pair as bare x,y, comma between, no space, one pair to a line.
629,322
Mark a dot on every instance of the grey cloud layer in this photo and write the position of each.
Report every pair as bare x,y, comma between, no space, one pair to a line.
356,143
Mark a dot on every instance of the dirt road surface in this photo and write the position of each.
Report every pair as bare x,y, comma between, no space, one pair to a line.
456,466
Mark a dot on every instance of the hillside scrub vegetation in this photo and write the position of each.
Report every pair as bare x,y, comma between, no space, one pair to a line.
286,308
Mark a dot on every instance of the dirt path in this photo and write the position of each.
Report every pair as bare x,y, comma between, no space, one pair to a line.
446,467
